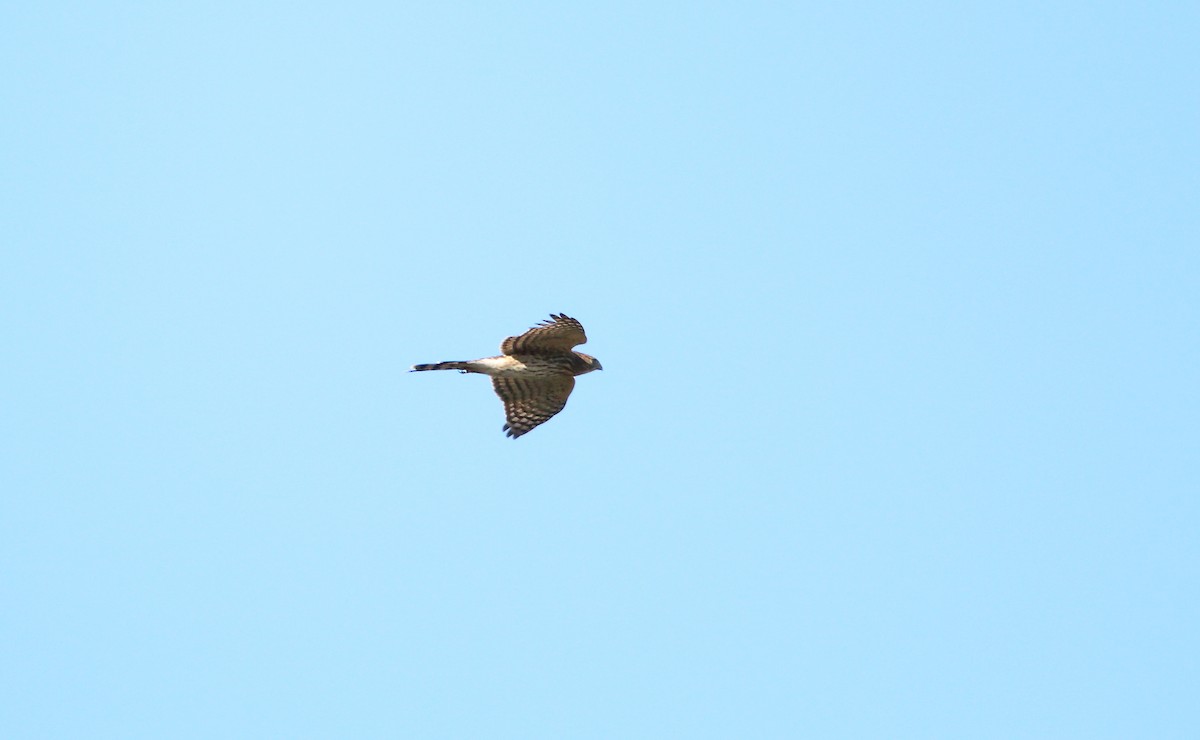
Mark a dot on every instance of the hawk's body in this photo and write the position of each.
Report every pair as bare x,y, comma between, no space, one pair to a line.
535,375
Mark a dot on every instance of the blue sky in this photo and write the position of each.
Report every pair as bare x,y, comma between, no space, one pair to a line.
896,437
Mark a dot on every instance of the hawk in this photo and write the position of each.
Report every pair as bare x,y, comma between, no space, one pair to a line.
536,373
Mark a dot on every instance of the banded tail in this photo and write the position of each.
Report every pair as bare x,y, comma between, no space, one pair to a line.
463,366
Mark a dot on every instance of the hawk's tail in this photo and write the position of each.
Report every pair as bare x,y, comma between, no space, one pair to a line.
464,366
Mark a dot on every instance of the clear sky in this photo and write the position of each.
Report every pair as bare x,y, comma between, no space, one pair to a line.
897,432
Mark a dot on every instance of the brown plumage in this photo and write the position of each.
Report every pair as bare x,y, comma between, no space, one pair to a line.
535,375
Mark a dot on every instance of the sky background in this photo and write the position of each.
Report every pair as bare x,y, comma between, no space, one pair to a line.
897,435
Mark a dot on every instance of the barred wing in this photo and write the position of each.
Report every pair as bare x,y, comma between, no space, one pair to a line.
555,336
530,401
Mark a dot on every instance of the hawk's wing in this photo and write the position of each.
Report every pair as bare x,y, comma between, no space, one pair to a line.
529,401
559,334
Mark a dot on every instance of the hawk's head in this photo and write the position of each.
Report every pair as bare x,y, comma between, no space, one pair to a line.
585,364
